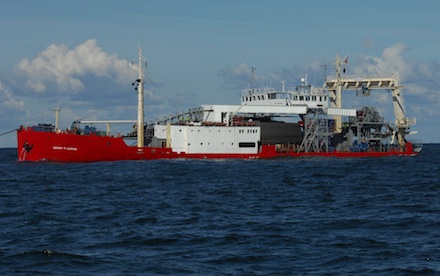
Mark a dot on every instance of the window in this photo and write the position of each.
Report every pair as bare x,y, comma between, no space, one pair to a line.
246,145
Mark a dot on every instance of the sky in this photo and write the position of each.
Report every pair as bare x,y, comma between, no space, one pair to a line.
79,55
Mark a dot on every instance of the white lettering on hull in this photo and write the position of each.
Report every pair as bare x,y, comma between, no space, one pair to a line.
65,148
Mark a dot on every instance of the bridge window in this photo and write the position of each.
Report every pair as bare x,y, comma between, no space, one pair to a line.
313,98
246,145
301,98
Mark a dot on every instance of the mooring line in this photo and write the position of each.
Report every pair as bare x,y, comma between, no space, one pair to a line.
7,132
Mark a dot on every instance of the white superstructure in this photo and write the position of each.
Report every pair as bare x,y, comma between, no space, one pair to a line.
303,118
230,129
208,139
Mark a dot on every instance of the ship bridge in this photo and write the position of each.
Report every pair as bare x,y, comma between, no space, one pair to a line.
304,95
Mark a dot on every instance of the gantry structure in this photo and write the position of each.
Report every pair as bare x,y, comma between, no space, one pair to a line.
363,87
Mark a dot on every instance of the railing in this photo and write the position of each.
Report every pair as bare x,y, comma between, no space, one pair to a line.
363,77
261,90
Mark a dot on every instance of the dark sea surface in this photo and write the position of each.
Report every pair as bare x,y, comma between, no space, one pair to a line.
212,217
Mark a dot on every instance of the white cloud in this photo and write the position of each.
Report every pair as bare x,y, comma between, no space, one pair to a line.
7,101
391,61
236,78
58,70
11,110
368,43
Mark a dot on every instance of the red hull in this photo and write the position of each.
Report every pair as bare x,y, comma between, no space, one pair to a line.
66,147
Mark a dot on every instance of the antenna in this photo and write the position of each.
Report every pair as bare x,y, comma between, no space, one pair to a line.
325,71
307,71
252,76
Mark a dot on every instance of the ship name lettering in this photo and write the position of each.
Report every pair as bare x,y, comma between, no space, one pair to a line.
64,148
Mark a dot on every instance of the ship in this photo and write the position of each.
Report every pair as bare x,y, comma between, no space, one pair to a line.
301,121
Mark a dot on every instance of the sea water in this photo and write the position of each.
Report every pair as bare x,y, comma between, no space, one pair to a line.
281,216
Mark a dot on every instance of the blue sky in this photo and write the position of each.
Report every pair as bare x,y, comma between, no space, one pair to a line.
78,54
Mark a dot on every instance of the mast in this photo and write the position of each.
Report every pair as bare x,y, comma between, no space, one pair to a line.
140,119
338,94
